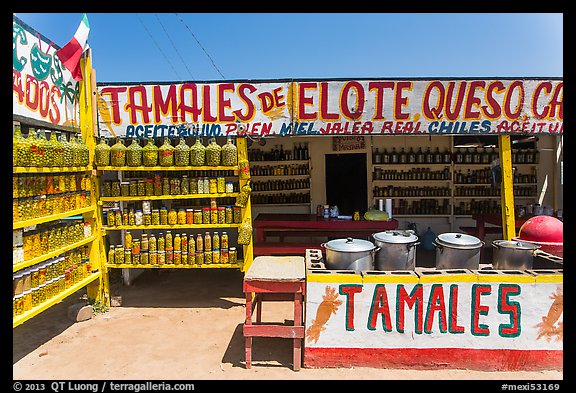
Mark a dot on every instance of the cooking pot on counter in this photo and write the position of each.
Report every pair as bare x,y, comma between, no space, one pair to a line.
397,250
513,255
350,254
457,251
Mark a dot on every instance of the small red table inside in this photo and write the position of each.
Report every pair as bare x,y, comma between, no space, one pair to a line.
494,219
317,226
275,278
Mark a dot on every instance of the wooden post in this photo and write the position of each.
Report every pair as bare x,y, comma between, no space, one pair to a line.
506,190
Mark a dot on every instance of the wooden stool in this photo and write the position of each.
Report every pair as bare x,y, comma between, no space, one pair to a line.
275,278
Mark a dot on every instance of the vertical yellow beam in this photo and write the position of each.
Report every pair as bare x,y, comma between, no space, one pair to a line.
88,128
506,188
242,146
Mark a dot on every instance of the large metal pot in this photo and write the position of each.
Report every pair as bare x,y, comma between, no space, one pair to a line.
513,255
350,254
457,251
397,250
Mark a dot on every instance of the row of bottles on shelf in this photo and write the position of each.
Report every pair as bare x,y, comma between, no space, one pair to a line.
460,156
177,249
412,191
484,176
411,156
36,150
280,170
31,185
426,206
300,151
412,174
487,155
493,191
278,199
280,185
168,185
477,207
214,214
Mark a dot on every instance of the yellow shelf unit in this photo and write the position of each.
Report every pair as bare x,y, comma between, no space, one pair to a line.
52,301
51,254
183,226
53,217
63,169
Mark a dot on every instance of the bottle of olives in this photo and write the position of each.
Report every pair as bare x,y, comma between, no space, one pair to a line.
118,154
198,153
85,153
58,149
229,154
76,151
134,154
182,153
150,154
102,153
213,153
18,147
166,153
68,151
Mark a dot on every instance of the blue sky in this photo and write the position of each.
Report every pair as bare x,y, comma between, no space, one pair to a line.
130,47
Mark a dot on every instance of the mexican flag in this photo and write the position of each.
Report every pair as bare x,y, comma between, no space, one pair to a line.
71,52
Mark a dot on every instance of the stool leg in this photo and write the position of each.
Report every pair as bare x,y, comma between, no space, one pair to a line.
248,339
259,307
297,322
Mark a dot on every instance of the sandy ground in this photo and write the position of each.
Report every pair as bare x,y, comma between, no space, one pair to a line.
183,325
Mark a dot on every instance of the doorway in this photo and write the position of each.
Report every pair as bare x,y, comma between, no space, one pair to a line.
346,185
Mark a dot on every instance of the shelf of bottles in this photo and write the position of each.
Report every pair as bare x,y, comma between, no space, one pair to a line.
163,211
280,176
411,156
53,219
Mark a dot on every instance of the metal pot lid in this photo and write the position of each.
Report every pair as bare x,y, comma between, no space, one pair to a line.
350,245
515,244
396,237
458,240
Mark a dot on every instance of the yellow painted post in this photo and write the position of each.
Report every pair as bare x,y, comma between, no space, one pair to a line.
247,211
88,129
506,190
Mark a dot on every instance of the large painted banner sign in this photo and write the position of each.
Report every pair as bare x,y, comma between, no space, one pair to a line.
458,315
353,107
43,89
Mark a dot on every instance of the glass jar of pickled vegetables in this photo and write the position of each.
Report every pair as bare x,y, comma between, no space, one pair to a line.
161,257
175,186
165,186
189,216
118,217
163,216
172,217
232,256
18,305
119,255
224,240
156,217
243,169
237,215
133,186
193,186
134,154
229,153
138,216
206,215
229,215
107,188
141,186
161,242
221,215
245,192
77,150
125,188
131,217
177,242
102,153
221,185
182,153
166,153
128,256
197,153
150,154
116,189
181,216
198,216
200,186
149,187
18,142
118,154
68,156
213,186
157,184
146,219
111,254
184,185
213,153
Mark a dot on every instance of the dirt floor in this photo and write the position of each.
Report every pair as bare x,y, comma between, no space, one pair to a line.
182,325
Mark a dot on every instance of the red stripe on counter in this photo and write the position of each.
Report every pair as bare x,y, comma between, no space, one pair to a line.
435,358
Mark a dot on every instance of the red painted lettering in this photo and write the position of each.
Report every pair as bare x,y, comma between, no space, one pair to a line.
224,103
31,92
557,101
190,90
471,100
400,100
17,85
492,109
507,104
164,105
250,108
303,101
134,108
415,299
478,290
436,304
207,117
453,326
452,109
358,108
380,306
114,92
324,114
435,112
547,88
54,113
379,87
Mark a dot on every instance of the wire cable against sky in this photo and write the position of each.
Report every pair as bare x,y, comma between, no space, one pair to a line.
159,48
174,46
212,61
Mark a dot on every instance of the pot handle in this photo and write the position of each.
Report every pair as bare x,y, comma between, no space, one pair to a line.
410,245
323,245
438,246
